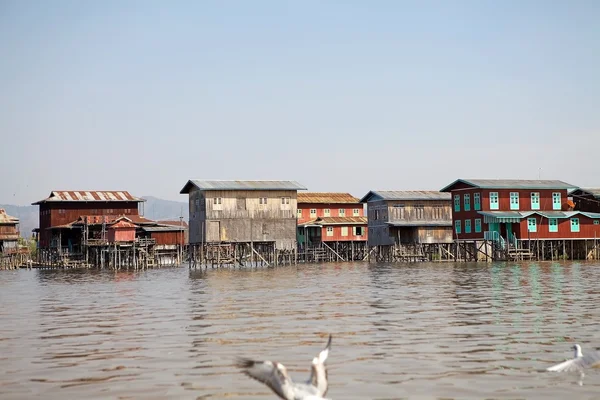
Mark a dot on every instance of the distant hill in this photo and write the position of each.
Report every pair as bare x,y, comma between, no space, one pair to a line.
159,209
154,208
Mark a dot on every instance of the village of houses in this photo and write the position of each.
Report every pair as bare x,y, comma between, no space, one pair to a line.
270,223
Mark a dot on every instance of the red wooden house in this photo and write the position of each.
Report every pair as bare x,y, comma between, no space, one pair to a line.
330,217
510,210
62,208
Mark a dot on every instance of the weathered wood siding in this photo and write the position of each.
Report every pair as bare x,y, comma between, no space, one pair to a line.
240,216
381,212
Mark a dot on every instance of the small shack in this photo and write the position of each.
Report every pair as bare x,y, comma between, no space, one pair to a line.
123,230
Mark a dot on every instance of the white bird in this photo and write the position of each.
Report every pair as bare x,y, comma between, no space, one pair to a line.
275,376
578,363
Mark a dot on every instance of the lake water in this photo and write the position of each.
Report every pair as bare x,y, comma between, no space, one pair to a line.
417,331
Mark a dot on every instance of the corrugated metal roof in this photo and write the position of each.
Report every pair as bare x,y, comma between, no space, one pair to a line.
173,223
9,236
420,223
164,228
241,185
405,195
336,221
7,219
327,198
512,184
88,196
593,191
547,214
122,224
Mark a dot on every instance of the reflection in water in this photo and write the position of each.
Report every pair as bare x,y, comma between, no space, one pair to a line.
446,330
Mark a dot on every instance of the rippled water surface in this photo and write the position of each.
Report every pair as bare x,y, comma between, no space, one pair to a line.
453,331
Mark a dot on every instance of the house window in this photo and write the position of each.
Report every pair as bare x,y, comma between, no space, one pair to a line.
217,200
467,201
299,212
457,226
285,200
357,230
330,231
375,214
342,212
531,224
240,203
457,202
552,225
494,201
514,200
344,231
535,200
262,201
419,211
356,212
556,201
327,212
478,225
477,201
574,224
596,222
313,213
467,226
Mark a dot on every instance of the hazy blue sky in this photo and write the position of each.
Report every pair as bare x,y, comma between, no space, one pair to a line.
338,95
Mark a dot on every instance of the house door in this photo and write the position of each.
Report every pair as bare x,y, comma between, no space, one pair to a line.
213,233
509,231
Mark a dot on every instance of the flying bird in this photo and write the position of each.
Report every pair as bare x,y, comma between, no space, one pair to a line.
275,376
578,363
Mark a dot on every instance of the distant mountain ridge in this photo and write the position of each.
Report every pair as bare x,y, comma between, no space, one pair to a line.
154,208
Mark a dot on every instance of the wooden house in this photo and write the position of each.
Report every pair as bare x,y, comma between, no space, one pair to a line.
122,230
586,199
333,220
408,217
62,208
509,211
245,213
330,217
9,232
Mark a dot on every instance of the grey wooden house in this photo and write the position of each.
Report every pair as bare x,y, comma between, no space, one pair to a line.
239,221
403,224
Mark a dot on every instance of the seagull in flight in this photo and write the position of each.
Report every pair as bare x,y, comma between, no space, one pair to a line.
578,363
275,376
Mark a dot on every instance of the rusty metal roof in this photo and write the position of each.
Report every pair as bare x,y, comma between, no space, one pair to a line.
336,221
9,236
88,196
7,219
327,198
163,228
173,223
122,224
511,184
241,185
587,191
405,195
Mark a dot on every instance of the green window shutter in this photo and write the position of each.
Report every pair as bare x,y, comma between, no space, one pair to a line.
467,201
457,202
535,200
477,201
531,225
514,200
574,224
553,225
467,226
457,226
556,201
494,204
478,225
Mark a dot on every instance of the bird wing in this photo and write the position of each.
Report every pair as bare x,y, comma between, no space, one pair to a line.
318,375
265,372
589,360
566,366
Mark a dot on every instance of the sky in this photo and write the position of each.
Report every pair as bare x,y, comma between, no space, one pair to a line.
345,96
